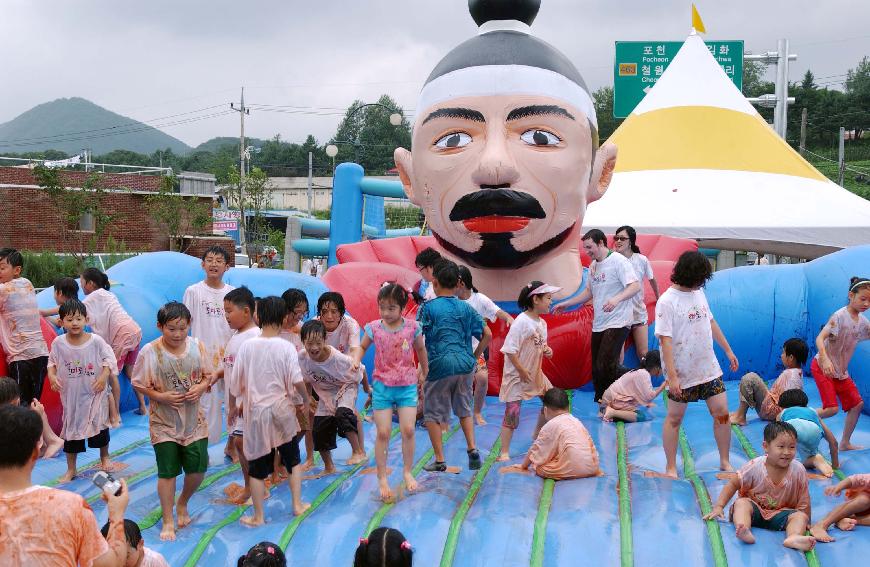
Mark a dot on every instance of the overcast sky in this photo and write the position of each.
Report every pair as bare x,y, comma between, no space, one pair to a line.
159,58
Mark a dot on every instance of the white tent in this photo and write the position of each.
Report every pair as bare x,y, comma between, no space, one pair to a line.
695,160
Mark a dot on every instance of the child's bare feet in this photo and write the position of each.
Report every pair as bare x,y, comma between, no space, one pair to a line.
252,521
478,419
386,491
671,472
824,467
744,533
308,465
167,533
821,534
503,457
850,447
182,515
736,418
356,459
53,448
299,510
847,524
410,482
608,414
321,474
725,466
800,542
67,476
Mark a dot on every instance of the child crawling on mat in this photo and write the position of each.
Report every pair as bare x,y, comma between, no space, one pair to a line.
855,511
623,399
773,492
754,393
563,448
810,430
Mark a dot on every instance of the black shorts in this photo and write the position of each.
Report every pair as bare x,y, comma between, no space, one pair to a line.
98,441
327,426
30,376
261,467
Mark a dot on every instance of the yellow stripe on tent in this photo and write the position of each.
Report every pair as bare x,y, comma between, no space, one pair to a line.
705,137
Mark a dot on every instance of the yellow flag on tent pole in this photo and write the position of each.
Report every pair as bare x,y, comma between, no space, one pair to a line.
697,23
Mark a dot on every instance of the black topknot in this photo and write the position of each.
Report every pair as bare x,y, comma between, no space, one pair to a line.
487,10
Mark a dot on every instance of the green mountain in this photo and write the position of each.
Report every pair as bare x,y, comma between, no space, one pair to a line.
216,143
71,124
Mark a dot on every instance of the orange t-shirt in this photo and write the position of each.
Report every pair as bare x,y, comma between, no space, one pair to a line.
791,493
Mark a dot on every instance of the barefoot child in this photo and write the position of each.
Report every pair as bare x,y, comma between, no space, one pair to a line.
109,320
336,383
239,310
170,371
137,554
836,343
266,375
394,379
810,430
755,394
563,449
773,492
525,348
64,290
487,309
685,328
297,310
633,389
79,367
855,511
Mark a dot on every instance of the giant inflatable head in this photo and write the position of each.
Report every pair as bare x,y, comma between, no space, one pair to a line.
505,154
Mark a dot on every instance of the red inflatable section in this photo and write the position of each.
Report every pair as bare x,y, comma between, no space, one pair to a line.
50,399
364,266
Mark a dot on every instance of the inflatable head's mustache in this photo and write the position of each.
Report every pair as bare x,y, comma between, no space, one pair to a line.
500,202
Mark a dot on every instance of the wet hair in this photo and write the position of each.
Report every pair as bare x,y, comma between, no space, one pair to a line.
556,399
72,307
271,310
67,287
13,257
596,236
9,391
132,533
632,237
446,273
793,398
776,428
264,554
313,327
651,360
856,284
331,297
391,291
465,278
798,349
427,258
20,431
172,311
96,277
217,251
691,270
293,297
525,301
241,297
385,547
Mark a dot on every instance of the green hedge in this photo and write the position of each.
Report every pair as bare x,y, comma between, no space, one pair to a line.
44,268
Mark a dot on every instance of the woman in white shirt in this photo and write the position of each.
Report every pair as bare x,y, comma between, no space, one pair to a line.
625,242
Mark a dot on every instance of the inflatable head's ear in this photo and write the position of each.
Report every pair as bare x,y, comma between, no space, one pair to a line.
405,168
602,172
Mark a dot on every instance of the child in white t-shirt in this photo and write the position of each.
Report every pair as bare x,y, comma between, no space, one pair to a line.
297,310
685,328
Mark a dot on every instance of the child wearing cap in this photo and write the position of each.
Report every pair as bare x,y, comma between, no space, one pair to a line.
525,347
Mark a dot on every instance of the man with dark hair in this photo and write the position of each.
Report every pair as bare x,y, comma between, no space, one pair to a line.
46,526
425,263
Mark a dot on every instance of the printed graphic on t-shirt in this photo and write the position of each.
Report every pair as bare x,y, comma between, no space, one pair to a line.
599,277
76,368
697,313
212,309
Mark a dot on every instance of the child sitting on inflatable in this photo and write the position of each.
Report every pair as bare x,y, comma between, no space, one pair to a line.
563,448
810,430
755,394
623,398
855,511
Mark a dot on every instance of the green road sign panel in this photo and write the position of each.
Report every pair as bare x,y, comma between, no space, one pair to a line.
639,64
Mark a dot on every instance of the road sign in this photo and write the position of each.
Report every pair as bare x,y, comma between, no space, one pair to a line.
225,225
222,214
639,64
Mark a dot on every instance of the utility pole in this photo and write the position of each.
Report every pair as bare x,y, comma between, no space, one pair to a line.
780,100
841,159
242,110
310,176
803,143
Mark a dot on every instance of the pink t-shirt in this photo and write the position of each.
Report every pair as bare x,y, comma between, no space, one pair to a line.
20,332
334,380
345,336
108,319
791,493
845,334
160,370
293,336
153,559
686,318
629,391
790,379
526,339
208,321
48,527
860,483
85,412
266,373
394,352
230,353
564,449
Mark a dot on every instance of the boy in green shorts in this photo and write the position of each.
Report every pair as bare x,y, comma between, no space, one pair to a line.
169,370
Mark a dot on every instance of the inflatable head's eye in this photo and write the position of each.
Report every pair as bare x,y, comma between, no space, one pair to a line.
453,140
540,138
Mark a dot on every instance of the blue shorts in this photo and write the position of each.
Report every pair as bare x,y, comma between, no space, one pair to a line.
386,397
808,437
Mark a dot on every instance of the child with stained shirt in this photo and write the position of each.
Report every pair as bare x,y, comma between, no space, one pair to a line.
773,492
64,290
20,330
563,448
297,310
79,366
855,511
137,554
170,370
623,399
205,300
754,393
239,309
335,381
266,376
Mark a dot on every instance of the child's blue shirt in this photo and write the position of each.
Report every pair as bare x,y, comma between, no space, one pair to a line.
448,324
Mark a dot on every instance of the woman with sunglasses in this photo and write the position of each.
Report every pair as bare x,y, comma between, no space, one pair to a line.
625,242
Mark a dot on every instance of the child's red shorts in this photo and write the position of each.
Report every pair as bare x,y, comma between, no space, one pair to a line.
831,389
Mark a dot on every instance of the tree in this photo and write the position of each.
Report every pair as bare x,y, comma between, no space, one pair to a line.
376,137
178,215
607,124
857,115
257,193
